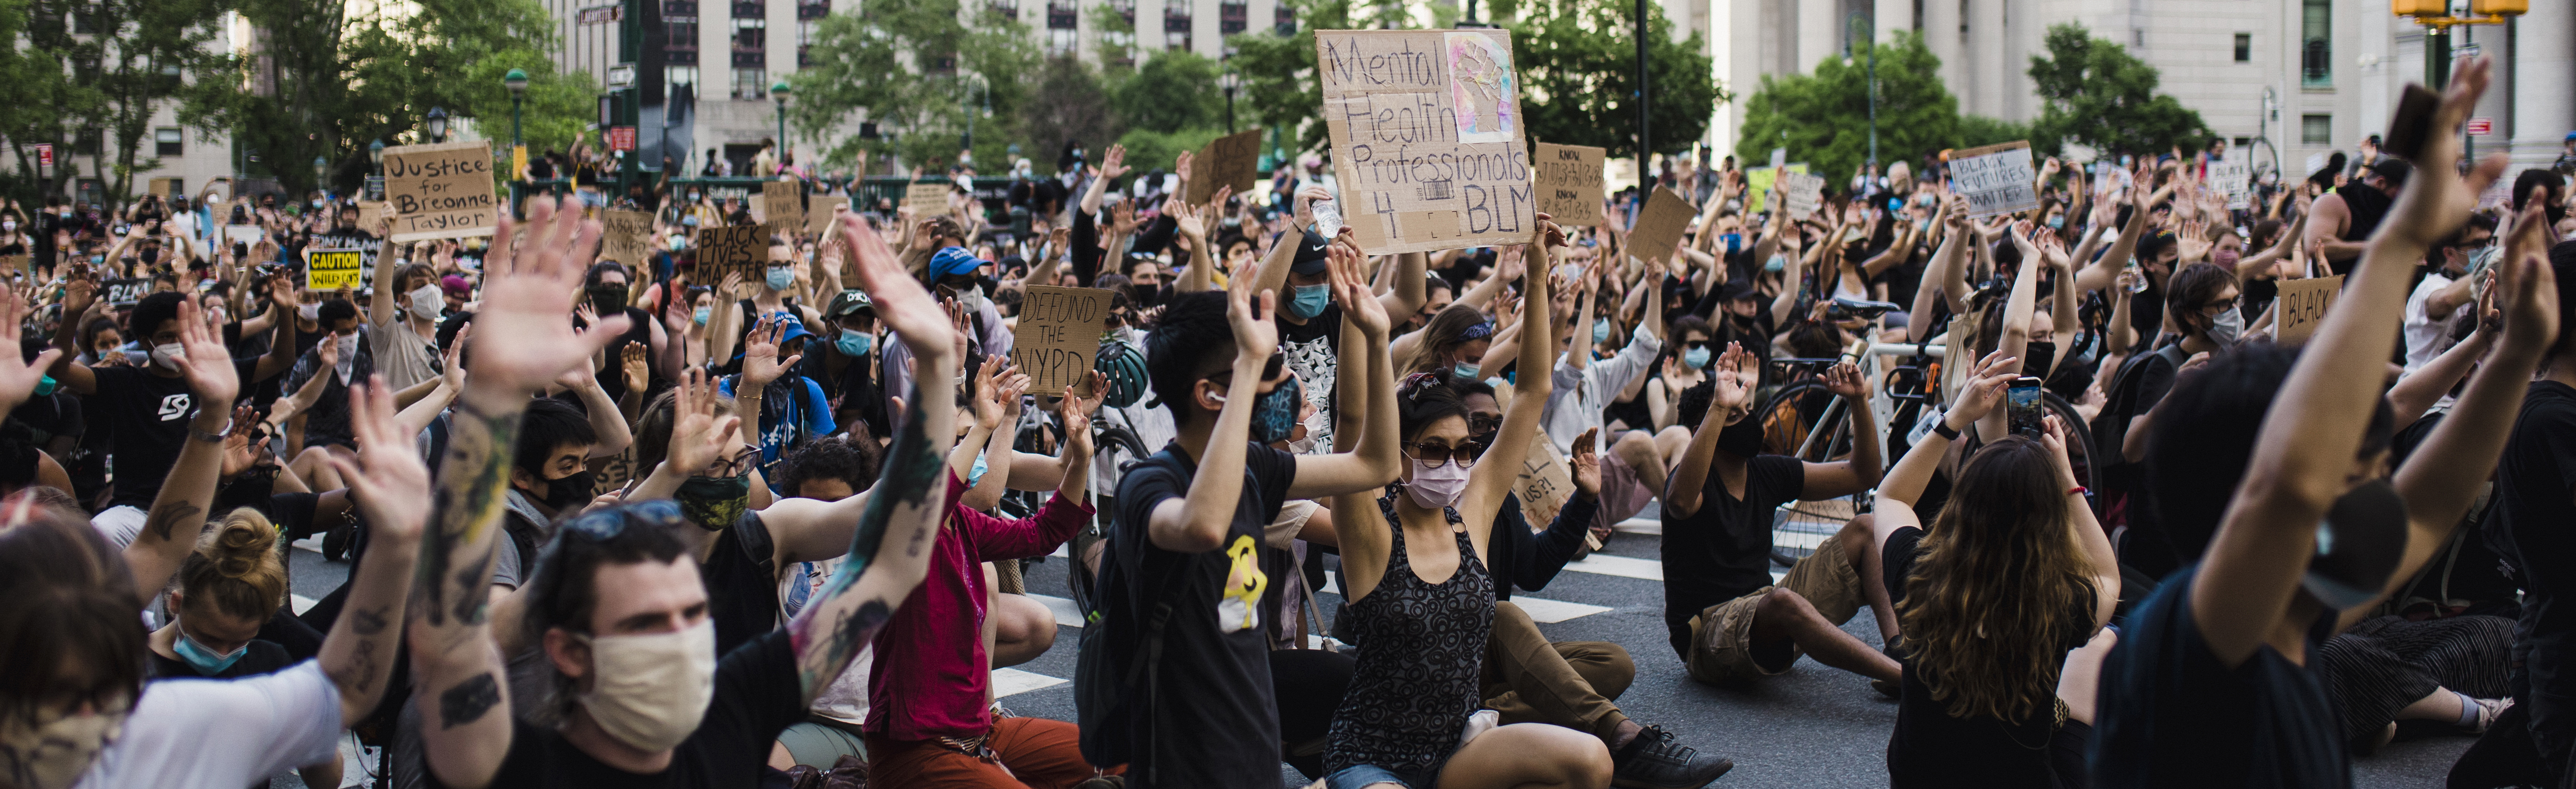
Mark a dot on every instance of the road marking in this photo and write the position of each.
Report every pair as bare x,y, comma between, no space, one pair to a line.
1060,552
1622,566
1012,682
313,543
1066,613
301,603
1539,609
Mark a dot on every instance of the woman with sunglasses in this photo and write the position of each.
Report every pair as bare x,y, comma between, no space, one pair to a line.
1422,599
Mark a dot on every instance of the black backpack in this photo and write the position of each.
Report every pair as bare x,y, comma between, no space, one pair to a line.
1117,673
2119,408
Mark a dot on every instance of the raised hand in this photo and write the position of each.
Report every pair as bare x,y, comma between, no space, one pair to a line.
1735,375
900,300
1256,336
988,392
2437,200
238,456
1844,380
760,362
1983,390
1586,462
698,437
526,340
1351,287
2052,434
2527,285
204,360
1076,413
18,378
631,363
386,477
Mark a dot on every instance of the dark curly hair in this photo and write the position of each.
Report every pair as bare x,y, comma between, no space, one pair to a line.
852,460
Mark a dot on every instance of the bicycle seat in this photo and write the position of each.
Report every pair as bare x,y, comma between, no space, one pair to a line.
1865,310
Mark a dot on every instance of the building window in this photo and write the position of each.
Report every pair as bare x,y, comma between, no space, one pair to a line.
1006,9
1284,19
813,9
1963,18
2316,52
2316,130
167,142
750,35
749,10
681,75
1062,40
85,19
805,32
1062,15
673,8
681,49
1232,16
1126,10
2244,47
1176,27
750,84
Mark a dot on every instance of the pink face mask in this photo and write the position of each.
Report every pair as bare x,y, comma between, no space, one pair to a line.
1434,488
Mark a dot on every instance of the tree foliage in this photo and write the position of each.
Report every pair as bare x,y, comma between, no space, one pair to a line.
1279,86
1172,91
919,71
2096,93
1068,103
1979,130
327,87
1823,118
1578,65
87,76
39,100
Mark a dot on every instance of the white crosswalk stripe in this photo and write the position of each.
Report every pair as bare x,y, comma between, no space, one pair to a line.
1011,681
1539,609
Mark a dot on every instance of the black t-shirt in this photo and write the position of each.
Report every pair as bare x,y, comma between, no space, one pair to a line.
742,583
1213,722
756,697
260,657
2147,312
57,414
2530,527
1932,748
1722,551
2172,715
147,417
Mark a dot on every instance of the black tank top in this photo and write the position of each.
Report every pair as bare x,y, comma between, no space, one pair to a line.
1421,648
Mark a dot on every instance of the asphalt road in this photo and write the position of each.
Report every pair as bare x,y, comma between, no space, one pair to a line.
1811,727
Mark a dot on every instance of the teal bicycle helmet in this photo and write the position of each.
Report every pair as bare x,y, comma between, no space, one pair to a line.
1124,366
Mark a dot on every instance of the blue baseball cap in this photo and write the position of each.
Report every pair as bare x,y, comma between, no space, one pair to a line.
795,328
954,261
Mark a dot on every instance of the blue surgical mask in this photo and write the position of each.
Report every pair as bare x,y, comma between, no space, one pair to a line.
700,316
204,660
1309,300
1776,263
2057,222
781,277
852,343
1734,242
1466,370
1601,330
1696,358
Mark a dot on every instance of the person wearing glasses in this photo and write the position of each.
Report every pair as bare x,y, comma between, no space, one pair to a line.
2434,308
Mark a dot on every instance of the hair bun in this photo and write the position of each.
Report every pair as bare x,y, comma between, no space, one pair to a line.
242,545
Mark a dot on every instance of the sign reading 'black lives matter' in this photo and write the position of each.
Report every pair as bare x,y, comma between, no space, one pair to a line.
1427,138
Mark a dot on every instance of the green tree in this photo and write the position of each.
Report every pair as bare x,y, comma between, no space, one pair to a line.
38,98
327,86
1068,103
1279,86
1979,130
113,62
1578,65
919,71
2096,93
1822,118
1173,91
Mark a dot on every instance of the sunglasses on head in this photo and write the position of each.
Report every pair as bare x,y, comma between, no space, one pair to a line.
605,524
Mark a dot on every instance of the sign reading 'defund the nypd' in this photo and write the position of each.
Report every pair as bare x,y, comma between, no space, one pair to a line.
1427,138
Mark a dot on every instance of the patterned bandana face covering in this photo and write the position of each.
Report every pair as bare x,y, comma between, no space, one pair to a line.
53,751
1275,414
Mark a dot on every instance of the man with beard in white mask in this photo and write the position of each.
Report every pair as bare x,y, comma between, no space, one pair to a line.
641,698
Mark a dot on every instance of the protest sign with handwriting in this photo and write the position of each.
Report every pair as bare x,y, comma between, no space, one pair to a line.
2233,177
124,293
1659,227
730,249
1996,179
818,214
1569,182
1232,160
926,199
624,235
2302,305
1427,134
441,191
1801,193
1057,336
782,203
1543,483
333,269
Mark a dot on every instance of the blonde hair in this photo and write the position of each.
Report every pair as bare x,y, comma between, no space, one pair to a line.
235,567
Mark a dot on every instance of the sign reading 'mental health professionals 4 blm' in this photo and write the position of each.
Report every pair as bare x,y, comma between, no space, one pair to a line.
1427,138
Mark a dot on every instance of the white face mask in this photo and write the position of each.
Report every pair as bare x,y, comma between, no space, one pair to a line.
54,754
168,356
650,691
427,301
310,312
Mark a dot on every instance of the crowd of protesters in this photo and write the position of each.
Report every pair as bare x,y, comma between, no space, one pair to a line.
655,523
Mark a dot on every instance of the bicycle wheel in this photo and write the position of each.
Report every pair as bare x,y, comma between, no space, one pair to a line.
1799,412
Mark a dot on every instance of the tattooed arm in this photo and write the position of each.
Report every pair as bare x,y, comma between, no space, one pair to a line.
890,551
523,343
392,487
179,511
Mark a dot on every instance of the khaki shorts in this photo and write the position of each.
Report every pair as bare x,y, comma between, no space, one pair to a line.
1722,647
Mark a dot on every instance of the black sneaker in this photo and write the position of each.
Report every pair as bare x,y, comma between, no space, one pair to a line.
335,542
1654,761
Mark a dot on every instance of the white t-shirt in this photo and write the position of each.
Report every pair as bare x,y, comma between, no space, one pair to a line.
2427,336
223,733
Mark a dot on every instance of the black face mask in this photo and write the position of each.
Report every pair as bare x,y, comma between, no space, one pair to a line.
568,492
1742,439
608,299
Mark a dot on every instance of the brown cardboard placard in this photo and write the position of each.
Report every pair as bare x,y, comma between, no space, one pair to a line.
926,199
1570,189
729,249
1232,160
818,213
1801,193
2302,305
1996,179
782,203
333,269
25,263
368,212
441,191
624,235
1544,482
1057,336
1427,134
1659,227
161,187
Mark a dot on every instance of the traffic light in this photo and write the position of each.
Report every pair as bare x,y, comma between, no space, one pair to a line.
2420,7
2499,7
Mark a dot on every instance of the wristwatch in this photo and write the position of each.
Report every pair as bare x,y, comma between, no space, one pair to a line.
1944,430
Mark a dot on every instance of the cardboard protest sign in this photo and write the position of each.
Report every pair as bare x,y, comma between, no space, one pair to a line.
242,234
782,203
1570,189
1427,138
161,187
26,263
926,200
368,212
1996,179
2109,179
2302,305
1659,227
2233,177
818,213
1232,160
441,191
333,269
1057,336
124,293
731,249
1801,193
1543,482
624,235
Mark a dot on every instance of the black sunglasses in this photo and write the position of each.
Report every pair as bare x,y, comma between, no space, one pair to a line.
1437,455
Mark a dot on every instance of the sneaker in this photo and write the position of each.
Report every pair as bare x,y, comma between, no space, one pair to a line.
1655,761
2488,709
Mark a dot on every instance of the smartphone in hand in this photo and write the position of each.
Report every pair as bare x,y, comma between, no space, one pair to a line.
2412,124
2022,400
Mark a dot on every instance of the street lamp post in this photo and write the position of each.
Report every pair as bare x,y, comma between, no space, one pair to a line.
778,93
376,156
321,175
1230,81
1868,38
517,82
437,123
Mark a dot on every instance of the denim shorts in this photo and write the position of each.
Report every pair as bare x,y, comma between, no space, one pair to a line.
1361,775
